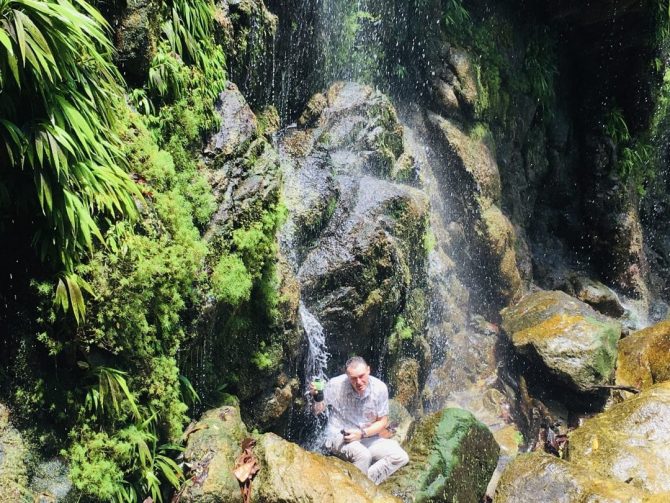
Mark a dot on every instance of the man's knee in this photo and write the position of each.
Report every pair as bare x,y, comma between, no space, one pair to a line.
400,458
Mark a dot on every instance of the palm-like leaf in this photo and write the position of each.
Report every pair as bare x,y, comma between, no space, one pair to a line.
58,92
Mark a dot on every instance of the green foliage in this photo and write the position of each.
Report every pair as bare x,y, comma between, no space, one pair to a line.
636,160
59,97
491,41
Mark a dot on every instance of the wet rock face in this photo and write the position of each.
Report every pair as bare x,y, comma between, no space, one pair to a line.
356,232
287,472
629,442
452,458
565,337
246,29
471,166
644,357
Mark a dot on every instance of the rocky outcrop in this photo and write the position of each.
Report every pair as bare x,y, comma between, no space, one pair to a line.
287,472
13,454
356,233
644,357
597,295
136,35
246,29
452,458
564,337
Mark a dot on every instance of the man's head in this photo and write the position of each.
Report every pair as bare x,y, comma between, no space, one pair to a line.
358,372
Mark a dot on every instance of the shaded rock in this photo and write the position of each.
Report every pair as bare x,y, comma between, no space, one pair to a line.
400,420
452,458
136,35
404,382
288,473
597,295
13,455
238,124
565,337
644,357
542,477
313,110
472,158
465,85
472,167
629,442
246,29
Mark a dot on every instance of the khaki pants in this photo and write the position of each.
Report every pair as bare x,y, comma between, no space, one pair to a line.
377,457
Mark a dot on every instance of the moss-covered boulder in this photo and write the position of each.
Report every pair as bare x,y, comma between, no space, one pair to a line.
644,357
13,455
287,473
136,35
564,337
212,448
291,474
629,442
452,457
541,477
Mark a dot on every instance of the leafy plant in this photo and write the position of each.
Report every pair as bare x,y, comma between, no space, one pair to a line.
58,101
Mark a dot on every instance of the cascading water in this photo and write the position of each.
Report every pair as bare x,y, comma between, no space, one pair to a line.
317,353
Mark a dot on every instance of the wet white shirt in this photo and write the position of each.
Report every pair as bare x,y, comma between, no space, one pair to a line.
347,409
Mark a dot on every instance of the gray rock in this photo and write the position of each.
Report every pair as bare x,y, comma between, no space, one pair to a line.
13,456
238,124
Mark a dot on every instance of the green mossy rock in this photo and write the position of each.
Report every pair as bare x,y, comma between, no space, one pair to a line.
542,477
292,474
210,453
565,337
629,442
644,357
452,457
287,473
13,470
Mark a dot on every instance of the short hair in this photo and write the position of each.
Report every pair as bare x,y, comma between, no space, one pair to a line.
355,360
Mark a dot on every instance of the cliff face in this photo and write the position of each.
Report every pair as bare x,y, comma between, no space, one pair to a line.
399,171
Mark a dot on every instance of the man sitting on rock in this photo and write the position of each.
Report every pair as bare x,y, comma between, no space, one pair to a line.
358,408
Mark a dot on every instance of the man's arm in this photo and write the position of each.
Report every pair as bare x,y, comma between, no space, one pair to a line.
353,434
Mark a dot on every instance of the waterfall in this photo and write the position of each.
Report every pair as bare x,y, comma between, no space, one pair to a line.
317,353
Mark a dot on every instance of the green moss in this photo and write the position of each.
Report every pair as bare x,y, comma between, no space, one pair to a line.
231,282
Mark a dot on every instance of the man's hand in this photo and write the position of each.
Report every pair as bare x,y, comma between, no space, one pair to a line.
352,435
317,407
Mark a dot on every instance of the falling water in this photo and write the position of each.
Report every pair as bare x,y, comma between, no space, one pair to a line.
317,353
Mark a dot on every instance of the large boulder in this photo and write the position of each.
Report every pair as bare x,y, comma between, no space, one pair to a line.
644,357
564,337
287,472
290,473
13,454
356,234
630,442
541,477
452,458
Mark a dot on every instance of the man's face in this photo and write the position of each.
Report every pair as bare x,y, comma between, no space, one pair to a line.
358,377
